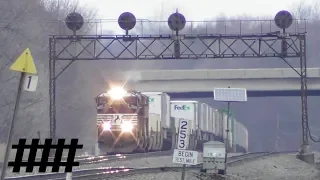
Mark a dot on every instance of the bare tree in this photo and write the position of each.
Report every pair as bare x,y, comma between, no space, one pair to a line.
27,23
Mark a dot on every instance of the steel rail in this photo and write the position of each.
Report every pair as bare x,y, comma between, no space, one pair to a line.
106,172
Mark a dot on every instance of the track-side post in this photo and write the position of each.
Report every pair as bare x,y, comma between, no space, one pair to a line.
69,176
305,154
181,155
52,87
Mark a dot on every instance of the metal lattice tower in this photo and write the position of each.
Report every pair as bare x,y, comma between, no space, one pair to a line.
180,45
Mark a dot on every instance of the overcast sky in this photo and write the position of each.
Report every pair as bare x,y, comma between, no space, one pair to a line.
193,10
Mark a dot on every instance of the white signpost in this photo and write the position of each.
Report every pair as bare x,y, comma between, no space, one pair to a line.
182,155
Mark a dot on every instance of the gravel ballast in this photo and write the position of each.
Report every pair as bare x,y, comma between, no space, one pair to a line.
133,163
280,167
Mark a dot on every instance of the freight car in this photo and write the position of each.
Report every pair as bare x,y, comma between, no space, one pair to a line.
240,138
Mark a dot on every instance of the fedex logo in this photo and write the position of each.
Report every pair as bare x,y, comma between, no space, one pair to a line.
183,107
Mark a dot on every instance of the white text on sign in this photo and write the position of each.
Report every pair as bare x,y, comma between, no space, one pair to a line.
183,139
185,157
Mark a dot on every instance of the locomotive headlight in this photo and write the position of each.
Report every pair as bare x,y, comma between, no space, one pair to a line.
126,126
106,126
117,93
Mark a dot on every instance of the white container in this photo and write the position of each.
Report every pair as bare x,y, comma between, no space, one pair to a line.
241,135
224,119
159,103
203,119
188,110
218,123
210,120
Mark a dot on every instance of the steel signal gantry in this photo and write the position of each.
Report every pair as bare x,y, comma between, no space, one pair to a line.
182,46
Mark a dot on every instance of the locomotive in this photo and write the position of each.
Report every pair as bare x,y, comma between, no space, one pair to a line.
122,121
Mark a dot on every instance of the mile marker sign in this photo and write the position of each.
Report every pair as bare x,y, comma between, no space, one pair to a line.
181,155
183,138
185,157
30,82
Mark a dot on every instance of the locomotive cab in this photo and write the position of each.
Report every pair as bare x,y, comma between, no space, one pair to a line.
122,120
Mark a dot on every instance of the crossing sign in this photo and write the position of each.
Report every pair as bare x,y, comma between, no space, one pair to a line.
183,138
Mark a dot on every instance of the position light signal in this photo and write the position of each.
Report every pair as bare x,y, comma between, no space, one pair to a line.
127,21
176,21
283,19
74,21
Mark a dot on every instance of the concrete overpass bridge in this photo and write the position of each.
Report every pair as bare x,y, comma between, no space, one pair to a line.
200,83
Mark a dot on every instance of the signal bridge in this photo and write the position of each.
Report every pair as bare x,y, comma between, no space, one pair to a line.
270,44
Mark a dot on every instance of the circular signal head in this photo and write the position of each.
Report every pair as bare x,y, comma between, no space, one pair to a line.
283,19
74,21
127,21
176,21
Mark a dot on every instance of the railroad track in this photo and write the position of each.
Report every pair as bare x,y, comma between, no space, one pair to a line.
95,160
237,160
64,158
106,172
112,158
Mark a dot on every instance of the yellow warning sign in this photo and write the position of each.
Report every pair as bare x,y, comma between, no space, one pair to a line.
24,63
